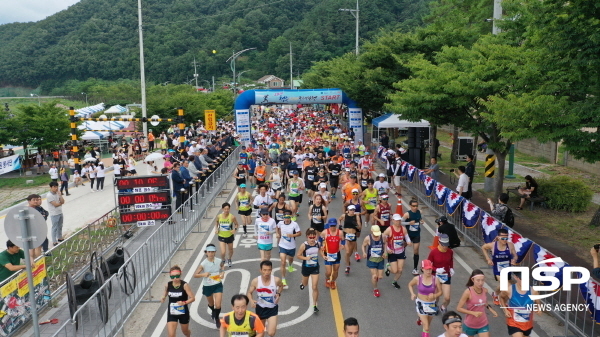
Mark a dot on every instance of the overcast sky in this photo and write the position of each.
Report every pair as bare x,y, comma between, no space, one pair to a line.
30,10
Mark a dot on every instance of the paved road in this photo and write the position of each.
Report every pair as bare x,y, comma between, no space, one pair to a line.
385,316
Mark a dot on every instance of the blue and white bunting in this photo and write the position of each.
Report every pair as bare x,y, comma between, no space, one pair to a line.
471,214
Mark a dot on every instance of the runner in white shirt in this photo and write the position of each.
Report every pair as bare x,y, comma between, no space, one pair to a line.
381,185
287,231
453,325
265,227
262,200
268,290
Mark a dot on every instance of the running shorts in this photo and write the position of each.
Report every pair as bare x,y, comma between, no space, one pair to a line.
246,212
396,257
307,271
415,238
297,199
182,319
264,246
370,211
376,265
513,330
334,182
289,252
472,332
396,180
426,308
318,226
265,313
226,240
214,289
337,261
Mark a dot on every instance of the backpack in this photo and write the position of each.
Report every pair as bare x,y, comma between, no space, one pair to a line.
509,218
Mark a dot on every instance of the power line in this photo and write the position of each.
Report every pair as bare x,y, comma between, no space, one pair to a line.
214,15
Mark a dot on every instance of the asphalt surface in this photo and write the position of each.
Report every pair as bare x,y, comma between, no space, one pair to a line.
391,314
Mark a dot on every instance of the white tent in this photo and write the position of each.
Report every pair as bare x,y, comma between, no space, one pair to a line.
88,111
115,109
103,125
94,135
393,121
388,121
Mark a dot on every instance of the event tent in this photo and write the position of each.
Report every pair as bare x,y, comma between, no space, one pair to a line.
103,125
115,109
88,111
94,135
393,121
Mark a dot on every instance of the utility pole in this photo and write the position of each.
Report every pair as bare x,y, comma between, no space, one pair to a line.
195,73
291,67
497,16
142,71
355,14
213,84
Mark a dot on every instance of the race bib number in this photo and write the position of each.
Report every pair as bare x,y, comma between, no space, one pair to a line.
276,185
385,217
176,309
376,252
331,257
311,177
521,315
414,228
443,277
350,236
225,227
502,264
313,259
373,201
316,218
399,246
363,183
264,228
244,203
279,216
241,175
293,191
381,190
335,173
429,307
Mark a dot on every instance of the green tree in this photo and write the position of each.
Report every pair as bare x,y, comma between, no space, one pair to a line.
454,89
44,126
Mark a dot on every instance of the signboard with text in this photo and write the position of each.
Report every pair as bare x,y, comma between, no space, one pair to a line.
10,163
355,121
14,298
210,120
298,97
242,125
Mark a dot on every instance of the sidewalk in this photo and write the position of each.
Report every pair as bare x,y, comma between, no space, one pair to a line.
81,207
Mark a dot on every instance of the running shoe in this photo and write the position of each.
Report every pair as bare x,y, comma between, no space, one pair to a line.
332,284
387,269
218,322
419,321
357,257
315,309
284,282
291,269
443,309
229,263
396,285
347,271
245,235
302,287
333,196
327,284
415,272
495,298
376,293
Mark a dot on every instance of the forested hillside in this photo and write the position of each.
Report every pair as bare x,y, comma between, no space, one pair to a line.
98,38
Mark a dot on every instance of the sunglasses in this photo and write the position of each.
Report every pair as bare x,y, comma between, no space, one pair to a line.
505,238
287,216
175,276
355,193
384,198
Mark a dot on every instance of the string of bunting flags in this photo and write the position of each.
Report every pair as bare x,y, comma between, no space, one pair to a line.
473,215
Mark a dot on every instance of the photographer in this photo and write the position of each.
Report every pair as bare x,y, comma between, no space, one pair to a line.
594,253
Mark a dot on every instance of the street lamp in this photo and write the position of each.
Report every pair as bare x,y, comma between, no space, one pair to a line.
38,96
86,101
232,64
355,13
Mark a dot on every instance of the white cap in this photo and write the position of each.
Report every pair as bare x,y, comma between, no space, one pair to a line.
354,190
351,207
397,217
381,175
323,185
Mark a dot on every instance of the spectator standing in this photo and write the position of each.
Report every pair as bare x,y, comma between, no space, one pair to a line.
470,172
434,169
499,210
595,258
55,202
463,182
64,181
178,184
35,201
384,140
53,171
39,160
100,175
10,260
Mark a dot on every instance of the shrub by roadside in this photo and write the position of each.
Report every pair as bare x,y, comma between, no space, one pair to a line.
565,193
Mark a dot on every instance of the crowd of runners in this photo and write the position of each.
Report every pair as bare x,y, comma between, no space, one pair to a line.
304,156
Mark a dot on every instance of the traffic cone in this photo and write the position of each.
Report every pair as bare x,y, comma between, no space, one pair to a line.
435,242
399,206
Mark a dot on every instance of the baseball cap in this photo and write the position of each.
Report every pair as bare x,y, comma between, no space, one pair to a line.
426,264
384,196
441,219
240,162
381,175
242,185
294,172
355,190
351,207
375,230
444,240
347,169
211,249
323,185
397,217
264,211
332,221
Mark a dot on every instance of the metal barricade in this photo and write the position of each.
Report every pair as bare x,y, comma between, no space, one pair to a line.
150,259
578,322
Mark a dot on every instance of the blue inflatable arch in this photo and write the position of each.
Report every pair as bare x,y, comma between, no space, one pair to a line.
293,97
